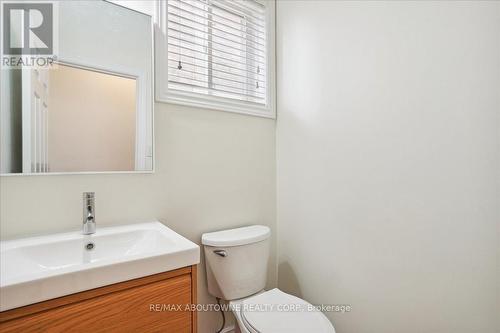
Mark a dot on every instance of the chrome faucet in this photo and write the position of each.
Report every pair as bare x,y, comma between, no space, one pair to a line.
88,213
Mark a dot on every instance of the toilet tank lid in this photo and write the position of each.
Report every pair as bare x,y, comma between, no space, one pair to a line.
236,237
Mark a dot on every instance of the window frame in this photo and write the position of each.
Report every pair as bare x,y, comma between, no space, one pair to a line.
166,95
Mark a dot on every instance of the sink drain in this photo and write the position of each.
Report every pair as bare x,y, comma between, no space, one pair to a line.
89,246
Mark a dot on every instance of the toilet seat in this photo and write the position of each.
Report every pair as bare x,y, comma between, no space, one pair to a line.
278,312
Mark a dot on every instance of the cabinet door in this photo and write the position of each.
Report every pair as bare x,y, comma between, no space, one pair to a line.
128,310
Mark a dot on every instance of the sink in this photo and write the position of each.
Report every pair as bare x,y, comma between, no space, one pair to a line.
36,269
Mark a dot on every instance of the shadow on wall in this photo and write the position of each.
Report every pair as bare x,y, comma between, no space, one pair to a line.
287,280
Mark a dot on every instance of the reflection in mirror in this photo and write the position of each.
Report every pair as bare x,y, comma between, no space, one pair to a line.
91,111
82,99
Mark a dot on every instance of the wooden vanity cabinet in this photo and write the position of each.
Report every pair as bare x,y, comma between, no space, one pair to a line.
155,303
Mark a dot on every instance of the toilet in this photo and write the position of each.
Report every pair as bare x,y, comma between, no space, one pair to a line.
236,266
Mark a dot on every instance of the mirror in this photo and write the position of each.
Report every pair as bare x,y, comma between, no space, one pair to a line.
91,110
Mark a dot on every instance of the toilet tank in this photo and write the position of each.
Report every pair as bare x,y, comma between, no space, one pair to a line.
236,261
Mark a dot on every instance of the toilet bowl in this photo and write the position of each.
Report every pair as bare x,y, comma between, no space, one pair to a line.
278,312
236,265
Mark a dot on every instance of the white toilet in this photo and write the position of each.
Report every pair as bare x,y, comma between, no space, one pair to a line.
236,263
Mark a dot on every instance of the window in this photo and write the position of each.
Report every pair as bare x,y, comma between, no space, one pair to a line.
217,54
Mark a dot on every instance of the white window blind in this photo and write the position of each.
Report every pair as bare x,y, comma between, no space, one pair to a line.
218,48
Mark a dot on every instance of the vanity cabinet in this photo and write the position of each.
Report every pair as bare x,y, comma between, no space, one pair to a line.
155,303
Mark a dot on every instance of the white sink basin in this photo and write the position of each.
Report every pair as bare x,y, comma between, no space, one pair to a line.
41,268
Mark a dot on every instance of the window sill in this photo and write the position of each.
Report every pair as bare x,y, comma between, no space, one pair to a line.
217,104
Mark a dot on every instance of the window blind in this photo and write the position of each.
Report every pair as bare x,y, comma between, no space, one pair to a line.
218,48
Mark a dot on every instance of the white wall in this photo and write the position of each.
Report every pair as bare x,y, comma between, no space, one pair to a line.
214,170
388,162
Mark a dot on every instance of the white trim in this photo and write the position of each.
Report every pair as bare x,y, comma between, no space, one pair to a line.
165,95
